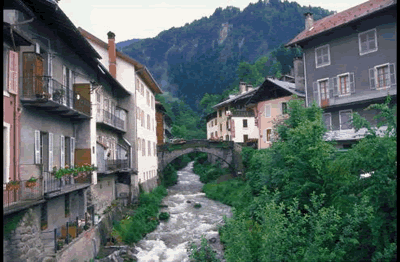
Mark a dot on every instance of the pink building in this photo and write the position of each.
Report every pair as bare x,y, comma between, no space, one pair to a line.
271,102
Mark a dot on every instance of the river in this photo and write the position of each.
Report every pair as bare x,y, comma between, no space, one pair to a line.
170,240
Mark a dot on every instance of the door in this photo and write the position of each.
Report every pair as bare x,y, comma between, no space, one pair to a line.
82,98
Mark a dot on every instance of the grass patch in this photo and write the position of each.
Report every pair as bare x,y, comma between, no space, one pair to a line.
133,228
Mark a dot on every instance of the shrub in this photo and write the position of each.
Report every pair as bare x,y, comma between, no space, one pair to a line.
163,216
203,253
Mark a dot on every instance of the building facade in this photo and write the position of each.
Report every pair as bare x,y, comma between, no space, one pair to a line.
349,63
163,125
235,122
141,120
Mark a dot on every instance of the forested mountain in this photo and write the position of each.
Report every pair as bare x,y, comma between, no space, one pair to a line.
204,56
126,43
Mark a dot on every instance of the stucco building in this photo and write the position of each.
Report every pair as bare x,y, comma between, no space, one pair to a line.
349,62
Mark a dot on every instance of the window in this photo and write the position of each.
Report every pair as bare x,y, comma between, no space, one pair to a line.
67,84
344,85
142,117
244,122
267,135
327,118
367,42
345,119
98,99
147,97
211,135
220,112
5,68
215,121
220,127
267,110
284,108
11,69
227,125
137,84
227,137
216,134
148,121
143,147
142,89
148,148
66,205
323,90
322,57
245,138
155,149
382,76
139,143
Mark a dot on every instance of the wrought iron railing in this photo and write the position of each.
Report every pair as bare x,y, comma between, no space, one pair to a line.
112,120
15,198
53,184
45,88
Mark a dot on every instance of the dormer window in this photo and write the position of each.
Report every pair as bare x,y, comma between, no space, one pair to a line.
322,56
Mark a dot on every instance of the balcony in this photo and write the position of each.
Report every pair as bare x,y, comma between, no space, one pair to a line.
242,113
22,197
57,186
48,94
111,120
116,164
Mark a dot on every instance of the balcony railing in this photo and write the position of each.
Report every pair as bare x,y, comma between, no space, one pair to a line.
21,197
239,113
116,164
111,119
67,182
44,88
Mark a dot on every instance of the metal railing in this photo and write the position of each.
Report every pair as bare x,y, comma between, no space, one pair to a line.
46,88
114,164
22,196
53,184
112,120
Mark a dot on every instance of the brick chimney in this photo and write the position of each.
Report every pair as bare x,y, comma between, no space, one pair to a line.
298,74
309,20
242,87
112,54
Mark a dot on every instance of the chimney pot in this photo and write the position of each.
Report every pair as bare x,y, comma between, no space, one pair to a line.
242,87
309,20
111,35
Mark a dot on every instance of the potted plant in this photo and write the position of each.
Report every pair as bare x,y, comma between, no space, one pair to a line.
12,185
58,94
31,182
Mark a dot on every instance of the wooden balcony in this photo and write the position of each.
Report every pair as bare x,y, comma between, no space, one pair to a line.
49,95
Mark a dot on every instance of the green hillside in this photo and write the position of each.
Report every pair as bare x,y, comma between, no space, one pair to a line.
203,56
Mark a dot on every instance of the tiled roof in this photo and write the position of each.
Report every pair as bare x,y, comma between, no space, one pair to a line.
237,97
344,17
287,86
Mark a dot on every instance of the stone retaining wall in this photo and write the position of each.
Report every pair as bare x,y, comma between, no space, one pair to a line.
24,243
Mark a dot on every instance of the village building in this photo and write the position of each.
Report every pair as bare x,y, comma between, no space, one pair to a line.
349,62
141,119
163,126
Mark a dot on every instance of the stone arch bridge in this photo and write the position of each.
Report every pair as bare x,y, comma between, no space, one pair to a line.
227,151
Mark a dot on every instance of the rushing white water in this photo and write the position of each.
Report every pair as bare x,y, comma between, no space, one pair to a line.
186,224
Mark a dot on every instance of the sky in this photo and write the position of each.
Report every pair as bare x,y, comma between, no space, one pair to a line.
143,19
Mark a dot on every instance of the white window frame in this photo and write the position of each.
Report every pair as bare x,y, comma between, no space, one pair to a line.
316,57
340,120
338,84
247,124
266,137
390,75
6,152
359,42
330,121
265,111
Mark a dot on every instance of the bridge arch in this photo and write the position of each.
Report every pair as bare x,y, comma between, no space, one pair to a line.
227,151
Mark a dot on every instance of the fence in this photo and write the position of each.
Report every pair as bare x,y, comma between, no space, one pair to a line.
22,195
56,239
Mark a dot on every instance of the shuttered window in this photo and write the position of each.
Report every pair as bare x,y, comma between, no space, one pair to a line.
267,110
38,159
50,151
62,151
13,72
382,76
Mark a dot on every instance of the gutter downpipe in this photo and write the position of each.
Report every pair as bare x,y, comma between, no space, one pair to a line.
305,77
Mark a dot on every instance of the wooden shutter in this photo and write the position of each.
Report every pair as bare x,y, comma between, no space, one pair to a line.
332,90
13,72
50,151
392,73
372,78
72,157
37,147
62,152
352,83
315,92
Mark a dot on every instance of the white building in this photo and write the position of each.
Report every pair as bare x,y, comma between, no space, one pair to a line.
141,121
